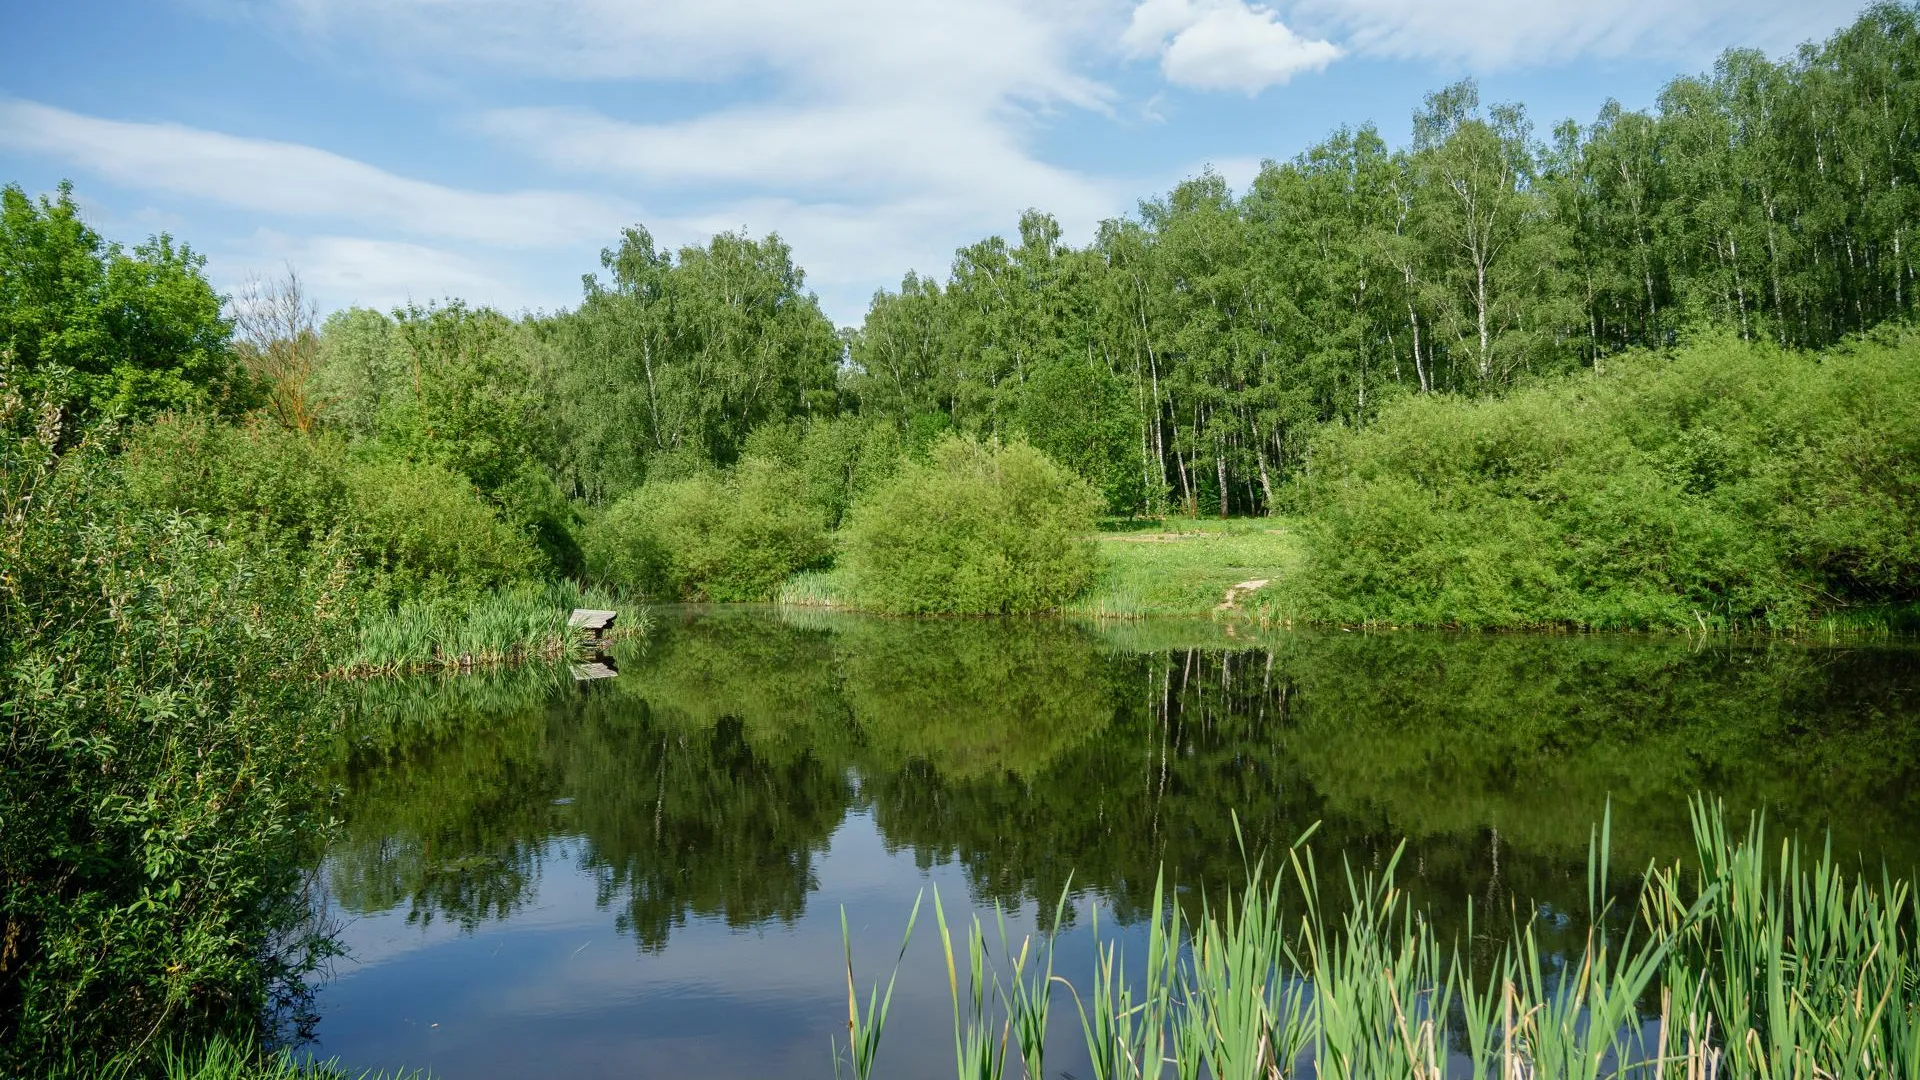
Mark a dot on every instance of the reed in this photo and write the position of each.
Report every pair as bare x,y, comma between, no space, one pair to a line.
223,1058
1739,967
521,622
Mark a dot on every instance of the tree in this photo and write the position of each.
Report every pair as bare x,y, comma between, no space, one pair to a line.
105,331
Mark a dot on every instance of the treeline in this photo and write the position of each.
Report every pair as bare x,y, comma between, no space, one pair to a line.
1188,355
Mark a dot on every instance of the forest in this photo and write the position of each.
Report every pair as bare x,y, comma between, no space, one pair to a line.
1653,372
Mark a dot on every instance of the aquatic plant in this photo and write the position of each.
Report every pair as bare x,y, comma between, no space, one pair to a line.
524,621
1738,967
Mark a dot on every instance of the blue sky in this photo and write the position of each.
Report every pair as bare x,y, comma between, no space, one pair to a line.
414,149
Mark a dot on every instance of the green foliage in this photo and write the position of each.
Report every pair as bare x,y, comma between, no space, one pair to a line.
842,458
685,356
1193,350
1723,485
458,390
1763,970
362,374
983,528
157,791
416,528
106,331
727,537
518,622
427,530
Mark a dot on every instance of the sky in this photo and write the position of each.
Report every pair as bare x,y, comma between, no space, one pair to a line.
396,151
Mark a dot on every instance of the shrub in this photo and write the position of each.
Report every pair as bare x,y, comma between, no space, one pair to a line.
416,528
426,530
724,537
1724,484
156,801
982,528
841,458
257,475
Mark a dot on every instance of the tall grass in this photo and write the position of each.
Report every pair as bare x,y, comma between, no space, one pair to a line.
521,622
1739,966
221,1058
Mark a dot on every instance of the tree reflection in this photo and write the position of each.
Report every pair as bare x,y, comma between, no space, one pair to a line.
707,779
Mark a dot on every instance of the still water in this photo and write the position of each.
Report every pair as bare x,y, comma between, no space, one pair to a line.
645,877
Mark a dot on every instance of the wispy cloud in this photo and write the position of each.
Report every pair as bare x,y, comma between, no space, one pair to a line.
370,272
300,181
1499,34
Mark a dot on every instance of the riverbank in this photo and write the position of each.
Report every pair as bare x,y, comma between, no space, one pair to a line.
1149,568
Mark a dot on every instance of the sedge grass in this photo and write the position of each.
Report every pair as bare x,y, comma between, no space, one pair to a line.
524,621
223,1058
1739,967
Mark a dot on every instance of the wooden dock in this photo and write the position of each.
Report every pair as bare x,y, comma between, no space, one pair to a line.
596,625
593,626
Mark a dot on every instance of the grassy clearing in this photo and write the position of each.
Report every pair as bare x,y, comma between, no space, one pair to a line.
1185,567
521,622
1167,568
1740,966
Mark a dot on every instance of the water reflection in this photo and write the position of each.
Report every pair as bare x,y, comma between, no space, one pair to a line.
711,779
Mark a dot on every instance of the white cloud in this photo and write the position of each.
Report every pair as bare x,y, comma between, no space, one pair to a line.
1223,44
885,150
1491,34
990,48
357,271
287,178
874,135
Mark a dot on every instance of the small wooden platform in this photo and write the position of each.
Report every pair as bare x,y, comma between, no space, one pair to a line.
596,624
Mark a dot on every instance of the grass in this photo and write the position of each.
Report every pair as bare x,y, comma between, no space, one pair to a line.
1173,567
1186,566
817,588
221,1058
521,622
1739,966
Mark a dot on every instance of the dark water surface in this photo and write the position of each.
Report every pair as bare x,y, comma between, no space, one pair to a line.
645,877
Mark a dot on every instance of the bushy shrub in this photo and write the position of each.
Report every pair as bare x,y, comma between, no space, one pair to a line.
255,475
1724,484
426,530
414,528
841,458
156,801
982,528
724,537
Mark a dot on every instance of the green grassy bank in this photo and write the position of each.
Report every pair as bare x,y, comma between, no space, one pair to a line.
1146,568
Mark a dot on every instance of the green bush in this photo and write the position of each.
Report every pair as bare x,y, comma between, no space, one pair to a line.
428,531
253,476
724,537
156,801
1725,484
841,458
416,528
982,528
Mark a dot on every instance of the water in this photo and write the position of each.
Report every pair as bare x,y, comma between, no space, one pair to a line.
646,877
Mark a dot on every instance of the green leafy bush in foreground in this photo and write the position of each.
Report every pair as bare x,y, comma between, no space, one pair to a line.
983,528
1724,484
724,537
156,798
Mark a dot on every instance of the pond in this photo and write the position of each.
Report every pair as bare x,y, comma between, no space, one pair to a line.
647,875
